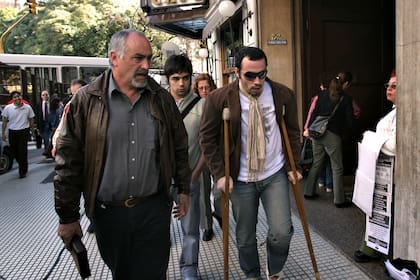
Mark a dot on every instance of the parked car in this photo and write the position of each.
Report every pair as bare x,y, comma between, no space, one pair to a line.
6,159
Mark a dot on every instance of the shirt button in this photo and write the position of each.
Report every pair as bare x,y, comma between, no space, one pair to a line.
133,159
132,142
132,124
132,177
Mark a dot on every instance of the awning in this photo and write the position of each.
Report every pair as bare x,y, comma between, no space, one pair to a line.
187,23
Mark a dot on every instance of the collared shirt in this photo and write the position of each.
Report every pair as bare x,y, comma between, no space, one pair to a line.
132,147
18,117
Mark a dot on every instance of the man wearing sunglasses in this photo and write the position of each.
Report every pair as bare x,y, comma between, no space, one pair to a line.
259,167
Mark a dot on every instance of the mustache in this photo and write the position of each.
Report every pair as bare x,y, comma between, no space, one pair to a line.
142,72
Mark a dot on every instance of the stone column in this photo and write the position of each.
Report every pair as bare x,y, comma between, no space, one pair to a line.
407,169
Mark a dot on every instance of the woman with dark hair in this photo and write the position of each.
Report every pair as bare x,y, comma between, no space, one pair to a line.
331,142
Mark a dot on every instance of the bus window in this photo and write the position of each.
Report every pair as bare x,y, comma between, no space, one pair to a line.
30,74
69,73
9,81
90,73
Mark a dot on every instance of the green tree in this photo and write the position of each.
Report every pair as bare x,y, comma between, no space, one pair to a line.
80,28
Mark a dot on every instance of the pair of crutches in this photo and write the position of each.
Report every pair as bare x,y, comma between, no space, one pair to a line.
225,196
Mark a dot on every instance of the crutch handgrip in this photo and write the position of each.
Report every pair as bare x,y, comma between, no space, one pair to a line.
226,114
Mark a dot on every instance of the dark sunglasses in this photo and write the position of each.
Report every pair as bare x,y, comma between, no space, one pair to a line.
252,75
393,86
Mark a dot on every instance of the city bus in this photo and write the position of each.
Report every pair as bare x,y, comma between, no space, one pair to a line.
30,74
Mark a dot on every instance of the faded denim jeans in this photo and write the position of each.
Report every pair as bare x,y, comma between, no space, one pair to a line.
190,225
274,195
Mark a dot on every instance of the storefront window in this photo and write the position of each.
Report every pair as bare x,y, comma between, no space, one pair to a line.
231,34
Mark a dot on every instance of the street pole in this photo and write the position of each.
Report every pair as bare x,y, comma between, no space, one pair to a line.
7,32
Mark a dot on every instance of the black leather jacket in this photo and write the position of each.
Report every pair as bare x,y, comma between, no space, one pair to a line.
80,151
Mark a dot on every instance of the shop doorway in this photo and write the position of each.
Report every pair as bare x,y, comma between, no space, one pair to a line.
356,36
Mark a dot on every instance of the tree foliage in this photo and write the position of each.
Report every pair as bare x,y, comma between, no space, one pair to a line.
80,28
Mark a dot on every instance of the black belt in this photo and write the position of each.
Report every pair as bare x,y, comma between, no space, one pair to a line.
129,203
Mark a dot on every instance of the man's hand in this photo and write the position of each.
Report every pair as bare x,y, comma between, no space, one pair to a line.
221,182
67,231
292,178
181,208
306,133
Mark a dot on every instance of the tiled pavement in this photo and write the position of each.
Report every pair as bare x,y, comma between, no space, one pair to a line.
30,248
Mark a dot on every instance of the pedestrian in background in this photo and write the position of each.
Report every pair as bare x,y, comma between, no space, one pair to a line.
75,85
178,71
18,117
42,121
325,176
203,85
331,142
122,143
54,116
386,129
259,167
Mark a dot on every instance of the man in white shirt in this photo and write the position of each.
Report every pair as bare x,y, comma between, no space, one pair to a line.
18,118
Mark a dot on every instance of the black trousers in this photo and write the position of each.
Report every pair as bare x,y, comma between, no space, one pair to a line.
18,140
135,242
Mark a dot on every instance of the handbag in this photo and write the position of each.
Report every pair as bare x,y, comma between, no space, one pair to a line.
319,125
306,156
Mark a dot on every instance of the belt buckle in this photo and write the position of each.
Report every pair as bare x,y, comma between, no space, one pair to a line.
130,203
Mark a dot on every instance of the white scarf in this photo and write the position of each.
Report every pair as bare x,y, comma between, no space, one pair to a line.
255,139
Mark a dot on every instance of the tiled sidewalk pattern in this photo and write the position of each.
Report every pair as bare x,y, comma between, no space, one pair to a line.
29,245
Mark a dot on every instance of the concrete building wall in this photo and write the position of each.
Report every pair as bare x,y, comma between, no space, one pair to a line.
276,39
279,36
407,170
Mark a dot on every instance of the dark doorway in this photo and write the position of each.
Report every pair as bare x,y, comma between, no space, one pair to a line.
356,36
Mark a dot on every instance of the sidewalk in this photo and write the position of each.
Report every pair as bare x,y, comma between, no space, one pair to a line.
30,246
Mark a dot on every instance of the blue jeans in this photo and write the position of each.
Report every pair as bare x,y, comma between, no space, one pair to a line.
274,195
325,176
190,225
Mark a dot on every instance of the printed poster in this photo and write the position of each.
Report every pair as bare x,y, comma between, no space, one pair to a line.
378,226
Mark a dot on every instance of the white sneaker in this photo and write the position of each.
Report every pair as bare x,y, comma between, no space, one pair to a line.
329,190
321,186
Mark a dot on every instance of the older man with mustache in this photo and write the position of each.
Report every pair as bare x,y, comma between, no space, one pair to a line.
123,142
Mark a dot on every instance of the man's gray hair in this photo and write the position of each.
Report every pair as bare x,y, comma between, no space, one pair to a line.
118,42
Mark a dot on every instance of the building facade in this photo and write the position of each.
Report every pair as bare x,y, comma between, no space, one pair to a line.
307,40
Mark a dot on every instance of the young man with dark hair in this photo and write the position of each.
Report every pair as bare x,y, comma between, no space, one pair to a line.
178,70
259,167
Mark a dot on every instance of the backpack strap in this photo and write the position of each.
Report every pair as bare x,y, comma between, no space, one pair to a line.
187,109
